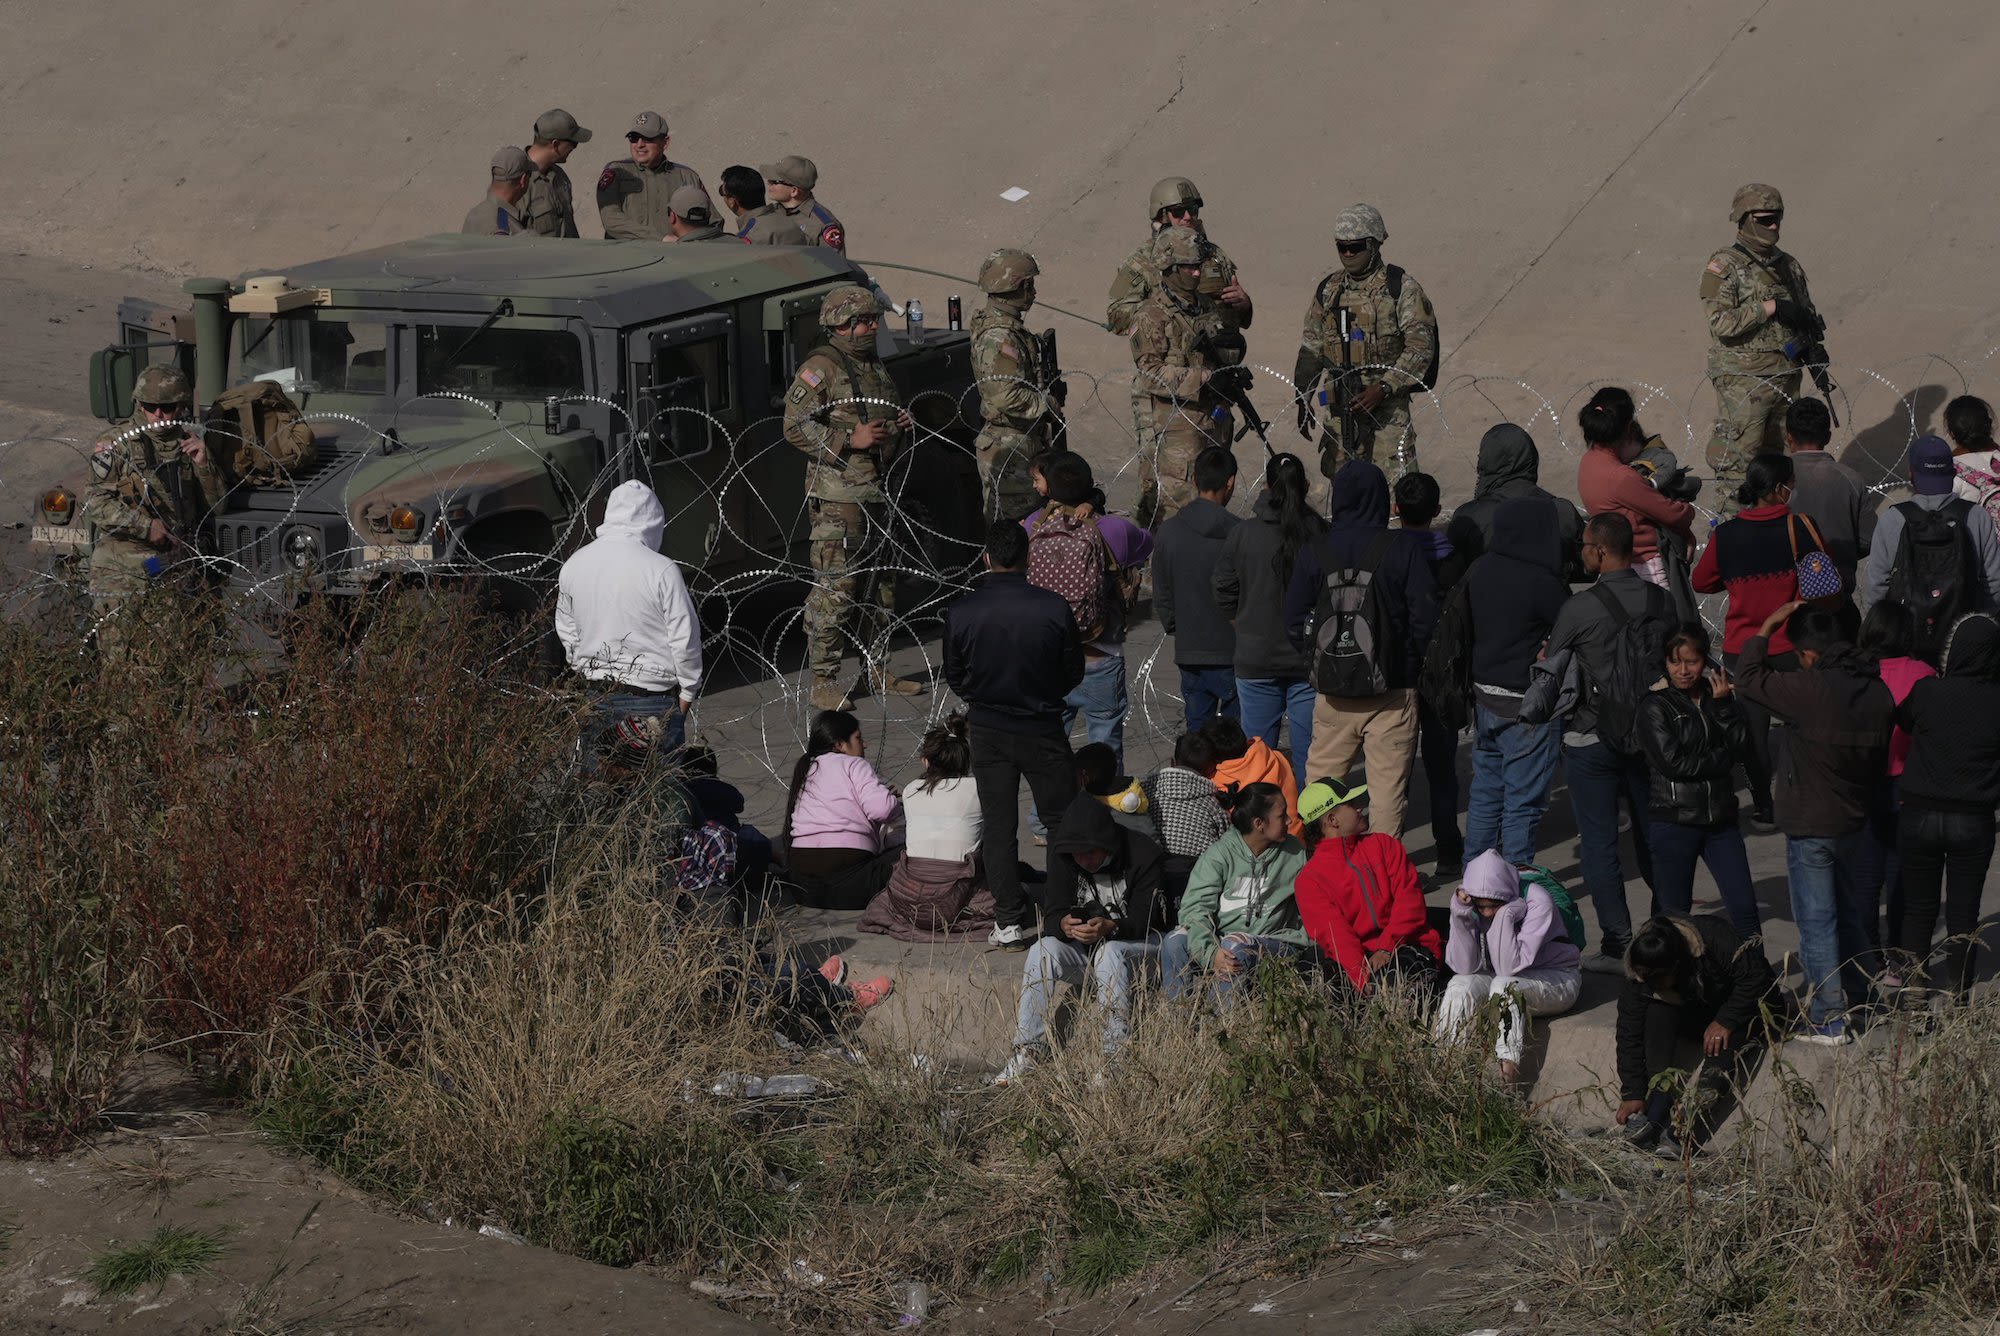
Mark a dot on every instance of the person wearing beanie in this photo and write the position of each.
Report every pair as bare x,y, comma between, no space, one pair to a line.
1359,895
1974,566
1509,940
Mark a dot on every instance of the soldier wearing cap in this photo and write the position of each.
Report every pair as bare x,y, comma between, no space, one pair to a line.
1761,325
691,216
844,412
1393,346
633,194
1016,412
789,183
503,213
152,482
551,204
1175,202
1175,360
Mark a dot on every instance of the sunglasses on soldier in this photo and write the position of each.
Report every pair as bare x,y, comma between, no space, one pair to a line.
1768,217
158,408
1351,247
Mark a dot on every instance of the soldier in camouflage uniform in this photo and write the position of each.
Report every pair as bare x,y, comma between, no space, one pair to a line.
633,194
1176,365
152,481
1006,363
1175,202
551,203
849,447
1390,325
1759,334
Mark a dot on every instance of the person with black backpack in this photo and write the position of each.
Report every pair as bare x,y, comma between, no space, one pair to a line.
1935,553
1617,631
1361,607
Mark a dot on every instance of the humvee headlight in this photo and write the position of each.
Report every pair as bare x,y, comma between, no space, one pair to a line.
58,505
404,521
301,548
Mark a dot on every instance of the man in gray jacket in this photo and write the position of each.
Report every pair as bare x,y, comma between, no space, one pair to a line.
1954,565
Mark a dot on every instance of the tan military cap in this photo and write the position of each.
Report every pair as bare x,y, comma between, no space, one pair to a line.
511,162
557,124
793,171
648,125
693,204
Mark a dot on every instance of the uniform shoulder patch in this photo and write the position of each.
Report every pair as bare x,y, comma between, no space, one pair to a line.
798,394
833,237
1007,349
810,376
1717,267
609,175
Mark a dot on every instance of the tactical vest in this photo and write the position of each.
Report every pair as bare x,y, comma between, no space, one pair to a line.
991,326
852,378
1371,314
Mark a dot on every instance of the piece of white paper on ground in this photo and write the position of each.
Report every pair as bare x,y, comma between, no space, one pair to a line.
1013,194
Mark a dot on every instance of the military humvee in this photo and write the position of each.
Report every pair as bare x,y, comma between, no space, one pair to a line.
473,399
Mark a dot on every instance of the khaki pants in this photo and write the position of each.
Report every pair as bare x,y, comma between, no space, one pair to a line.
1382,731
1387,438
1166,481
1749,420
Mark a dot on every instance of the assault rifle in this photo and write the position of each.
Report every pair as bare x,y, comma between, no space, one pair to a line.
1232,380
1807,325
1054,387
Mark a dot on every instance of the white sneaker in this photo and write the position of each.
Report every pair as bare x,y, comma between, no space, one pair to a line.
1018,1066
1009,935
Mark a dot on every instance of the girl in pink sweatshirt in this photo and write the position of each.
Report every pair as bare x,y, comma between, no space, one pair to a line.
1508,940
839,849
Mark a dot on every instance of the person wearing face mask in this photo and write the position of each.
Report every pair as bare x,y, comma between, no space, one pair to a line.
1761,325
844,412
152,482
1175,202
1175,359
1017,415
1393,338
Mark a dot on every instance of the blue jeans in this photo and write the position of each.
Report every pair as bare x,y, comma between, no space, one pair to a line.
1113,967
1513,768
608,709
1832,943
1206,693
1178,973
1100,699
1676,848
1599,777
1267,700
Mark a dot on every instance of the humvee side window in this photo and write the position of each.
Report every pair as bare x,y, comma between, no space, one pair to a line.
496,363
693,375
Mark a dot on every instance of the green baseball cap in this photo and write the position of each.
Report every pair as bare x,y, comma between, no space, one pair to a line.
1323,795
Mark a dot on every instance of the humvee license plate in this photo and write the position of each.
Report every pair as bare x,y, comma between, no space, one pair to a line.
373,554
60,535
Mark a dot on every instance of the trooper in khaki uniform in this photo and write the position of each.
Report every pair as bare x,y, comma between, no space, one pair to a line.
788,184
633,193
1175,202
844,413
691,216
1393,344
1175,360
1015,411
152,482
551,203
503,212
1761,324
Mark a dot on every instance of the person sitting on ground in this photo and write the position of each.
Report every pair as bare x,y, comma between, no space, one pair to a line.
809,1005
1241,761
1418,503
1508,941
933,892
838,815
1685,979
1101,909
1098,775
1359,894
1239,905
1187,812
720,804
1694,736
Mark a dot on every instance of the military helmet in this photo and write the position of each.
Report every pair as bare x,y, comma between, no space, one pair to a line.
1753,198
845,303
162,383
1177,245
1006,270
1359,222
1174,190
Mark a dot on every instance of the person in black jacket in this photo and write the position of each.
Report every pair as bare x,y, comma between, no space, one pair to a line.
1695,736
1102,910
1685,979
1185,552
1508,468
1381,727
1250,578
1012,654
1950,788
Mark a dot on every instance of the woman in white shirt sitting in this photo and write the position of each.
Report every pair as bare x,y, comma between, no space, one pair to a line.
931,894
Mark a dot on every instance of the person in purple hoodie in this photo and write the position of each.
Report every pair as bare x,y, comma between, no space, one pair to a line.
1508,940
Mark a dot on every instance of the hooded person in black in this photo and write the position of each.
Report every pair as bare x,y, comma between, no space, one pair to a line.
1950,788
1513,595
1508,470
1103,914
1381,728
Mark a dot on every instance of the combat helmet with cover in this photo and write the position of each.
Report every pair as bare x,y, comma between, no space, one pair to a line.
1360,222
848,302
1176,246
1006,270
1172,192
161,383
1755,198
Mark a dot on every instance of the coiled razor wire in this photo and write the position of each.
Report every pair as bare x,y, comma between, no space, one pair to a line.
752,638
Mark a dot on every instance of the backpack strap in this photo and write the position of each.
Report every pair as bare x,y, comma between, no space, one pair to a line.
1394,274
1611,605
1378,551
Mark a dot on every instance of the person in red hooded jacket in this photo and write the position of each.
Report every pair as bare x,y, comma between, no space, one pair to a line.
1359,895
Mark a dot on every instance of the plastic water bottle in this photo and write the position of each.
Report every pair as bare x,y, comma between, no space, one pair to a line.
913,313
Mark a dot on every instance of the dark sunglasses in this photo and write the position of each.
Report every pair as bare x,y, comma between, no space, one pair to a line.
633,137
1769,219
158,408
1181,210
1351,247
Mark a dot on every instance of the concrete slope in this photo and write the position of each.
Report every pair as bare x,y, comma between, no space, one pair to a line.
1555,171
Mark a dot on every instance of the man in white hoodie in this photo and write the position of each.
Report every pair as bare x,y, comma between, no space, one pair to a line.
626,621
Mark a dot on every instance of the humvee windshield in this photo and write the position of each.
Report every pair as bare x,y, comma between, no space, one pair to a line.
497,363
306,352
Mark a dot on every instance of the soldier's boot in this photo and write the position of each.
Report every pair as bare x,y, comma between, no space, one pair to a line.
885,683
828,694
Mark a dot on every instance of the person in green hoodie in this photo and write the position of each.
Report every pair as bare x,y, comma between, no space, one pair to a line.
1238,906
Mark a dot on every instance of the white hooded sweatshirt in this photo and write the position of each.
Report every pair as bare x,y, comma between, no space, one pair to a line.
622,609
